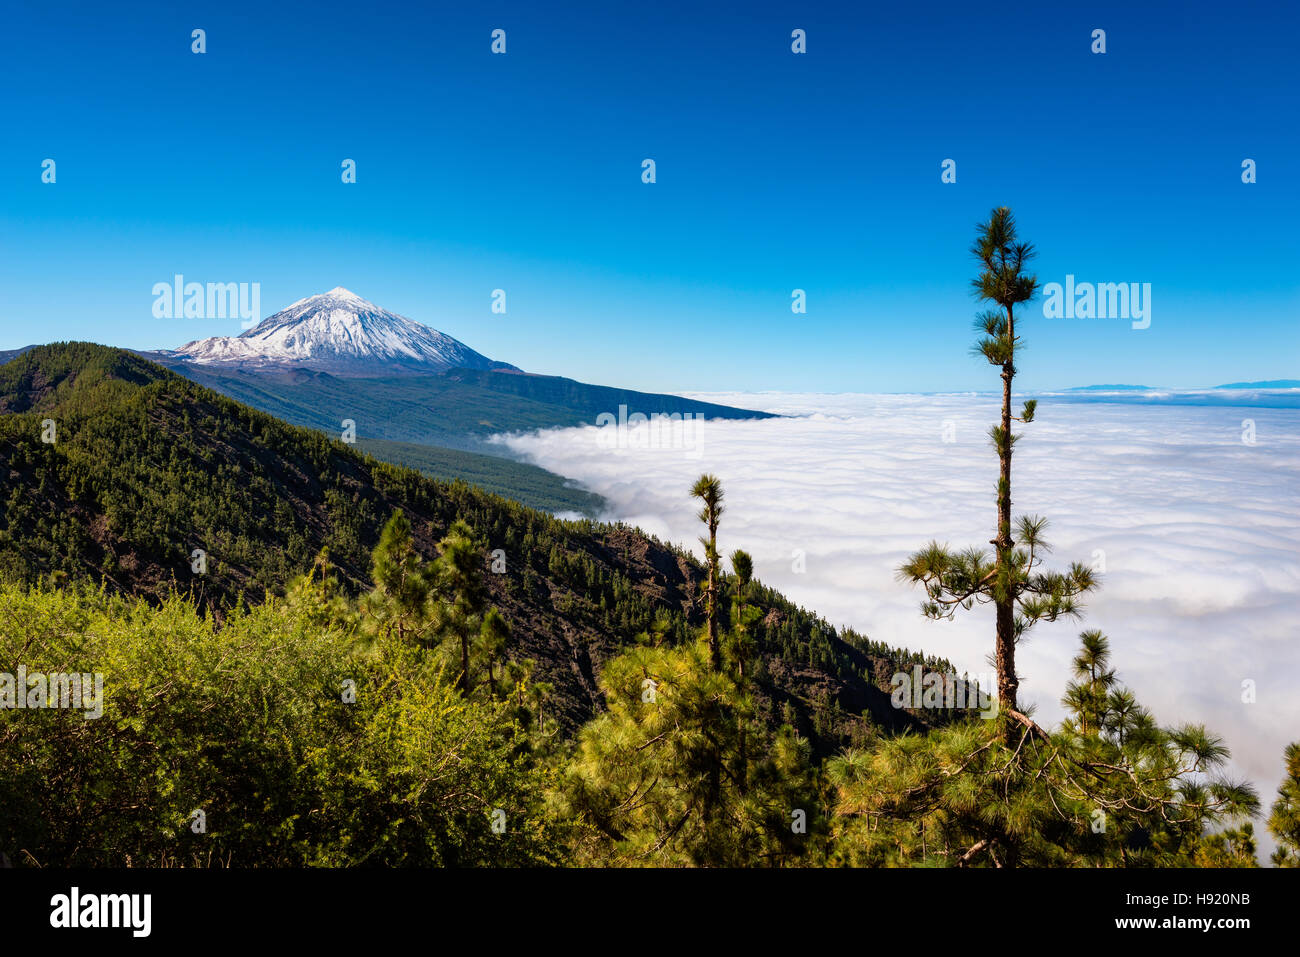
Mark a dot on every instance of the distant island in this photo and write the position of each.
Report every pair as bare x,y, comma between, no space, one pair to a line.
1268,384
1110,388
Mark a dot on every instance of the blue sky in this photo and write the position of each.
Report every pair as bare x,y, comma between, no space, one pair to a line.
775,171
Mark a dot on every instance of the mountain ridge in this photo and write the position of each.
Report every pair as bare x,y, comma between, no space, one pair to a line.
458,409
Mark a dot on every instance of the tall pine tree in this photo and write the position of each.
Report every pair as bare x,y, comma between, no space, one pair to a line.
1010,579
708,490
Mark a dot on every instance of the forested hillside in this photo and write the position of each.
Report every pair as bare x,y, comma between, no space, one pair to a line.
456,409
146,467
523,483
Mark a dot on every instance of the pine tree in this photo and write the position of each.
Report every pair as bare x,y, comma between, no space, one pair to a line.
1125,792
661,777
679,770
708,490
1020,593
461,594
494,634
1284,820
319,597
1231,847
402,582
1087,697
742,568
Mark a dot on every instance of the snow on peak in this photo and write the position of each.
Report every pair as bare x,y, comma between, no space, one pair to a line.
340,332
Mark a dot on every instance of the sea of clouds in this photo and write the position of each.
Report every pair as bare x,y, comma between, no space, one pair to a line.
1192,511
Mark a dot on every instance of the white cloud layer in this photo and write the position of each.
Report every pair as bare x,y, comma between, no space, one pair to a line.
1199,533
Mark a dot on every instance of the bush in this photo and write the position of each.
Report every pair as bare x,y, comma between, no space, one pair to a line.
248,724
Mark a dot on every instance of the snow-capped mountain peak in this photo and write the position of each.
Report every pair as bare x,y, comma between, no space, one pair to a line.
339,332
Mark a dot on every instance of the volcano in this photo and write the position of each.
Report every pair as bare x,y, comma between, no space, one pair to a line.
340,333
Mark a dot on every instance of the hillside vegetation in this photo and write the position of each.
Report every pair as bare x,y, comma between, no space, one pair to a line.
147,467
526,484
458,409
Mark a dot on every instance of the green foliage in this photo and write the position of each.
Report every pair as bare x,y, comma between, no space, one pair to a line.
249,723
1002,279
1231,847
959,580
1090,697
741,647
742,566
1109,788
460,596
441,604
680,771
677,771
494,635
708,490
527,484
318,598
403,584
1284,820
73,377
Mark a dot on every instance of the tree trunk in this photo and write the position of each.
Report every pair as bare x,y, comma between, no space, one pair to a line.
740,634
1006,604
740,665
464,663
715,652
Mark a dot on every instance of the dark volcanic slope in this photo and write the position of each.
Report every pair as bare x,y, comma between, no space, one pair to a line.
458,409
147,466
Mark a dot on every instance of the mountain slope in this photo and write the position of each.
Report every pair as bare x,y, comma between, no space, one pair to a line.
148,466
335,358
526,484
340,332
458,409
